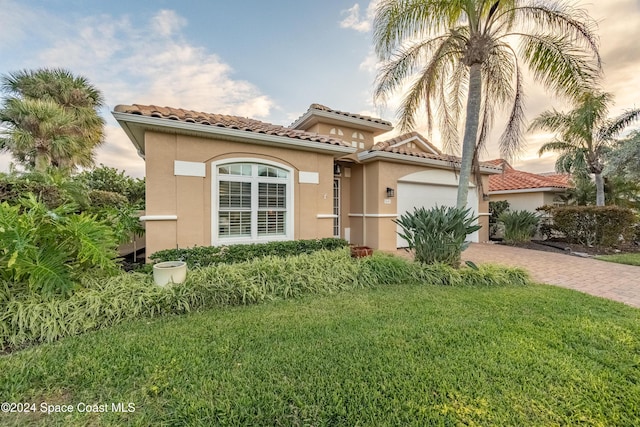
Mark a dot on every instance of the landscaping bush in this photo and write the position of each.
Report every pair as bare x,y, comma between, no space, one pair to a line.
101,199
53,189
104,302
437,234
46,251
104,178
212,255
519,226
593,225
496,209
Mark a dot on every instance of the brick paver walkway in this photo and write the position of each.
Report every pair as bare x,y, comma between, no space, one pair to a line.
618,282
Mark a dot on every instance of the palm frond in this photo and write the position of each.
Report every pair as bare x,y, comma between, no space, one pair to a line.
612,128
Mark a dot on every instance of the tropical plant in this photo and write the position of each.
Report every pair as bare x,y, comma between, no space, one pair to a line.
457,46
584,135
45,251
624,158
495,209
51,119
438,234
519,226
105,178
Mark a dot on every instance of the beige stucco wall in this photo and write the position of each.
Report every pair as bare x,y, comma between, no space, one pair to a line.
379,230
524,201
189,198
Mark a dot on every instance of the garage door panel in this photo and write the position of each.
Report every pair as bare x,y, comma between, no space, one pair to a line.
413,195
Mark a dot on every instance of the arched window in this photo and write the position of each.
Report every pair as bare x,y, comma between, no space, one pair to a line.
357,140
336,131
251,202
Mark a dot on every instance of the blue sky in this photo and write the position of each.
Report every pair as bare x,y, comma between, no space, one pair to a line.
263,59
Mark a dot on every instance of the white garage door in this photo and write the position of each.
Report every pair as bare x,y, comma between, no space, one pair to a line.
428,189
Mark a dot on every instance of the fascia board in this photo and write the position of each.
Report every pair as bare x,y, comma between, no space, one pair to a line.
442,164
133,121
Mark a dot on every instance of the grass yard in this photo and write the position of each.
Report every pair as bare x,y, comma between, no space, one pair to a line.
391,356
629,258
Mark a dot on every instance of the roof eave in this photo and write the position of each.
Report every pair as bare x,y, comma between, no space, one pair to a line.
307,120
135,125
366,156
529,190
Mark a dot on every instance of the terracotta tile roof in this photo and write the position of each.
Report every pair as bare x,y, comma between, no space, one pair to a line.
409,135
388,147
513,179
321,107
225,121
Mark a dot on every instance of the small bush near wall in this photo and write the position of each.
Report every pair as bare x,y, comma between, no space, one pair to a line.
438,234
211,255
593,225
519,226
496,209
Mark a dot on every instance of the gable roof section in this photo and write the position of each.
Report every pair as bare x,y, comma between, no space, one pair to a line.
410,137
136,118
513,180
318,112
394,149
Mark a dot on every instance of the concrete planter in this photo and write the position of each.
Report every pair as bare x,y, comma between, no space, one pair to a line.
169,272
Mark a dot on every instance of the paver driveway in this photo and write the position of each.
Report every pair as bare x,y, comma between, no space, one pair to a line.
618,282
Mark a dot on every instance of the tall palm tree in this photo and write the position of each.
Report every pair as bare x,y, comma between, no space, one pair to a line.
466,48
55,110
584,136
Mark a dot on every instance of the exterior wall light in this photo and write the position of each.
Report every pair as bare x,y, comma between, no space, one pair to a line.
390,192
336,169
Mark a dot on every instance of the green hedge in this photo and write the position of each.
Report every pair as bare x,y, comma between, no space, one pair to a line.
204,256
105,302
593,225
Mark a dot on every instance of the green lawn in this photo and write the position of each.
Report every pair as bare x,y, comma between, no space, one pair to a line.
631,259
399,355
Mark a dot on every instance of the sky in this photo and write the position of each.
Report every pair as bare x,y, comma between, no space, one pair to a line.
264,59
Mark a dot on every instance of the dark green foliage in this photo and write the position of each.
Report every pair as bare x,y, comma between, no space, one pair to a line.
52,188
437,234
519,226
495,209
109,179
106,301
46,251
101,199
593,225
212,255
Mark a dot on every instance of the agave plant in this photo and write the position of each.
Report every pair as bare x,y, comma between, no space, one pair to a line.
438,235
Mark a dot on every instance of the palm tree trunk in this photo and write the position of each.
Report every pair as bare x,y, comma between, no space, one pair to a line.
599,190
470,133
41,160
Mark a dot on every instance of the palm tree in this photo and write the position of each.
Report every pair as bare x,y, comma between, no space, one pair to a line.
584,136
54,111
453,47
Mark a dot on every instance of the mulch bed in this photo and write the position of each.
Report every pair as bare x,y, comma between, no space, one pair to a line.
559,246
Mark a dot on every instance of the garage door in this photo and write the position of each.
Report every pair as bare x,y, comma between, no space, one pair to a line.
428,189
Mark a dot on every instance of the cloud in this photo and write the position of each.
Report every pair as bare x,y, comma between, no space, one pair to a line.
355,21
147,63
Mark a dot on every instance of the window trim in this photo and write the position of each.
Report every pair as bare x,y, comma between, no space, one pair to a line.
254,238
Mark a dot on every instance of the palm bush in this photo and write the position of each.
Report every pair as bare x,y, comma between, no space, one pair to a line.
438,234
519,226
46,251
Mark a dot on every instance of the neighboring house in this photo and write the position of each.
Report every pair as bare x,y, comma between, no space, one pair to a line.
217,179
525,190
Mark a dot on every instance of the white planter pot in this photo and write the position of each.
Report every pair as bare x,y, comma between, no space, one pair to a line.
169,272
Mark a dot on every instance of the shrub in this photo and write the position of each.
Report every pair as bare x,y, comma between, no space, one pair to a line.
105,302
593,225
101,199
53,189
212,255
519,226
496,209
47,250
437,234
109,179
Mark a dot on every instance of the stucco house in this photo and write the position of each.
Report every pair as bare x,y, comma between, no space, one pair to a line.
525,190
216,179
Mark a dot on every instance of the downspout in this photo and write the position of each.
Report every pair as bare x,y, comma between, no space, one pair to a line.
364,204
